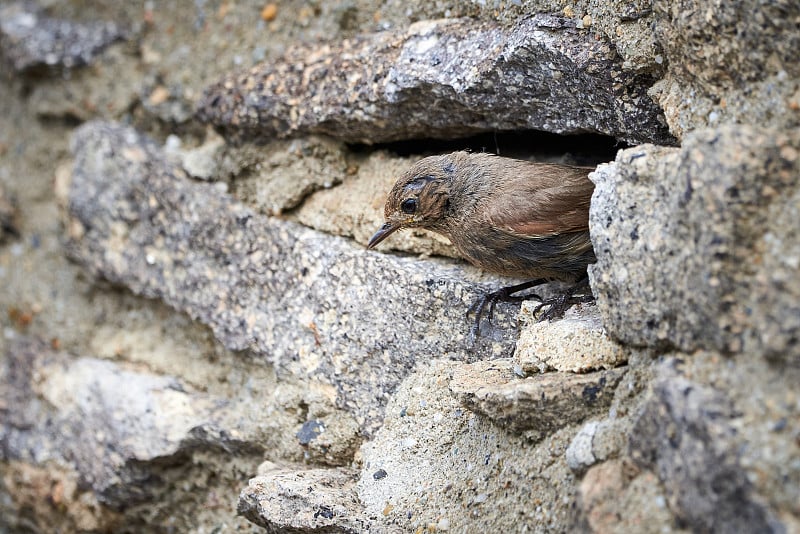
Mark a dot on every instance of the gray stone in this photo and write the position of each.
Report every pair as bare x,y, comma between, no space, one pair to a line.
29,39
202,162
699,247
166,103
595,442
312,500
332,440
108,89
543,73
686,434
305,301
616,497
537,405
279,176
577,343
728,62
579,453
445,465
117,427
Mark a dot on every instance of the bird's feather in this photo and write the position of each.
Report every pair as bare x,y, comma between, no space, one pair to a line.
541,200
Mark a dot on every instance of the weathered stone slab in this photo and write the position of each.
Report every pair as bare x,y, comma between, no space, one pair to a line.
437,466
314,305
312,500
728,62
686,434
442,78
537,405
30,39
699,247
112,423
577,343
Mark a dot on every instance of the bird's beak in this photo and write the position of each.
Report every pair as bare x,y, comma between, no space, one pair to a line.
383,232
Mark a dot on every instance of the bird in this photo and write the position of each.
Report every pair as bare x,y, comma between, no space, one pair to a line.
511,217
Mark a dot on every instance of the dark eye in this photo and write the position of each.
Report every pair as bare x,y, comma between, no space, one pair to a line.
409,205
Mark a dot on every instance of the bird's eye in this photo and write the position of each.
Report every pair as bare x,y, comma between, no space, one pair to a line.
409,205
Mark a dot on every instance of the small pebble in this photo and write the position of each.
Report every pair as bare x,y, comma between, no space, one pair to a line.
259,54
159,95
269,12
172,143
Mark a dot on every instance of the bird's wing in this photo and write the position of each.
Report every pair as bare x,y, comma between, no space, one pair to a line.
546,201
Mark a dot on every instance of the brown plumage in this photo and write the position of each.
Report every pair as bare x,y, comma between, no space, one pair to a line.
506,216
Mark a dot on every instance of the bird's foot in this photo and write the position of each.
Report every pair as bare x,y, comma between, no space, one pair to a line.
504,294
554,308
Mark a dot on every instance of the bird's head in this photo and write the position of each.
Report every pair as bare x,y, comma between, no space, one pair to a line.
419,198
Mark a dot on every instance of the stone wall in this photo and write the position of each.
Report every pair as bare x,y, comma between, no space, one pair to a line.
194,338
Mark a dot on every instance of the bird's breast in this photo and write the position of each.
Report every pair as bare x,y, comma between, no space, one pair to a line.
560,257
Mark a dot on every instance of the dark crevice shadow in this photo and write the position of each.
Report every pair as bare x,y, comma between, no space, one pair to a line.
577,149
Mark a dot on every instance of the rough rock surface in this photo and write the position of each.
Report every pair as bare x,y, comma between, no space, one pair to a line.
29,39
541,74
739,60
435,464
88,93
705,447
700,467
120,413
577,343
260,179
313,500
138,221
617,485
122,432
535,405
717,219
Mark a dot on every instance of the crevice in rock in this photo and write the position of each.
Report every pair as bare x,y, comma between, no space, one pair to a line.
580,149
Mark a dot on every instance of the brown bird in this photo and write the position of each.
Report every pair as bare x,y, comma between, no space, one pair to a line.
510,217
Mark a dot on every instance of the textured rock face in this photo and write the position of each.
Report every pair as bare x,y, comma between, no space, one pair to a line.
537,405
698,247
577,343
220,322
741,60
436,463
152,415
541,74
706,485
137,220
30,39
119,435
319,500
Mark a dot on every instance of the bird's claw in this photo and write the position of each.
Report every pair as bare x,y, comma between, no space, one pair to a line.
558,306
505,294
